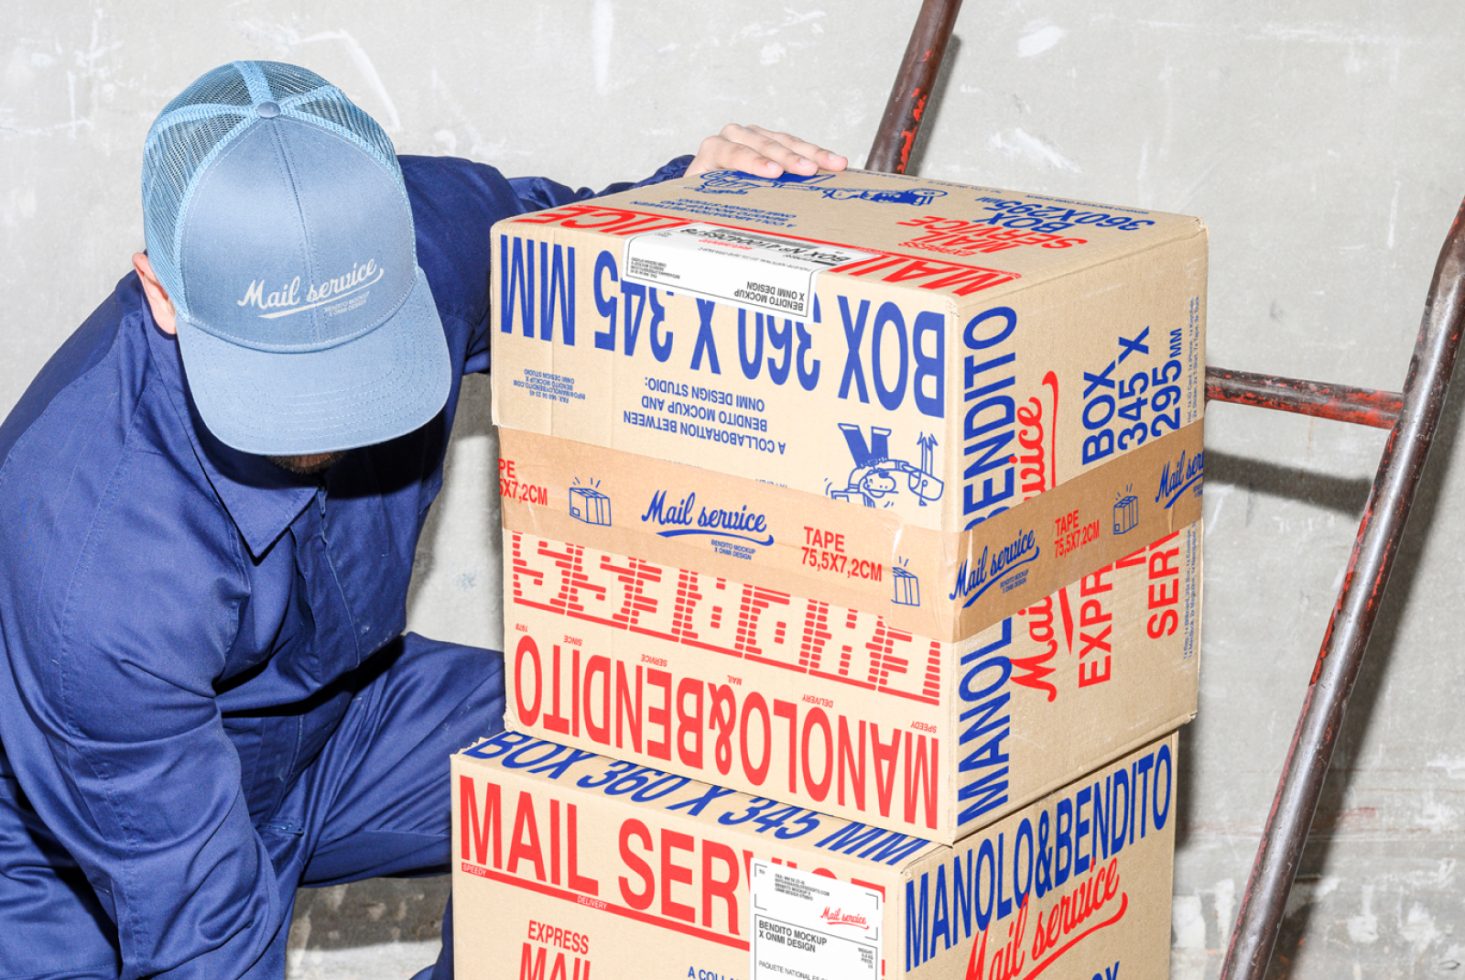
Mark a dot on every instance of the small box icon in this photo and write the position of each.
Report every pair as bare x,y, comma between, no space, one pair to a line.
590,505
1126,514
907,587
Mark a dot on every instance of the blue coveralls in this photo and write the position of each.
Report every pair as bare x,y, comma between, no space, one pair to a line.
205,695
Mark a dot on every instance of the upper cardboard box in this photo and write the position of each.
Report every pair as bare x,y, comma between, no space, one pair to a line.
934,350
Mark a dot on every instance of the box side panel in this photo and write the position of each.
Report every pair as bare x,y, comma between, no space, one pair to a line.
1104,665
1071,373
1077,885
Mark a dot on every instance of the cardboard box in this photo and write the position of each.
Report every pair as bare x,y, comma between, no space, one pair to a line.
930,351
569,866
796,699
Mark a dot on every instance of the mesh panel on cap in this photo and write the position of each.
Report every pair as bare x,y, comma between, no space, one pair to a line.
222,86
174,152
286,81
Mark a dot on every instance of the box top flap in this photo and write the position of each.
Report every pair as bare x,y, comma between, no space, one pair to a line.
906,231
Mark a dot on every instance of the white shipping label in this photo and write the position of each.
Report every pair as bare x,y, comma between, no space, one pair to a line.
762,272
809,927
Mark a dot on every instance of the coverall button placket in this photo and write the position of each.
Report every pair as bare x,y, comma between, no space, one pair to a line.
369,553
333,648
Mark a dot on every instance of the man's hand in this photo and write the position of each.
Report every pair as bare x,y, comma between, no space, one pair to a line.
755,150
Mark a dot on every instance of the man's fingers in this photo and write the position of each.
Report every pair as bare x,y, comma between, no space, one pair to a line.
761,140
785,150
803,148
830,160
766,153
720,153
741,156
820,156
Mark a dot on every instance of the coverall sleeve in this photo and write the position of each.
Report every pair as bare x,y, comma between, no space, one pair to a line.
538,193
455,203
120,744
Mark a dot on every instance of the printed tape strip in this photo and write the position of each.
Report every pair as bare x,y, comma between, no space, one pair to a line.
942,585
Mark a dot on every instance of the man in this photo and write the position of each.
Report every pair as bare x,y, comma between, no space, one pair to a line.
211,497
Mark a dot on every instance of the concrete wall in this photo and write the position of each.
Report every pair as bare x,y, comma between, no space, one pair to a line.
1323,142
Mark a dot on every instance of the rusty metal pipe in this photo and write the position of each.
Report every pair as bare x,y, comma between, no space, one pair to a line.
1379,534
904,110
1362,406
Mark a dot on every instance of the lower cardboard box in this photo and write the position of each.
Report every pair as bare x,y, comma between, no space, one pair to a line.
803,701
569,865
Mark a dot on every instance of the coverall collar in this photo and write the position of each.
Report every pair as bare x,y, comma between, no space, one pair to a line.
261,498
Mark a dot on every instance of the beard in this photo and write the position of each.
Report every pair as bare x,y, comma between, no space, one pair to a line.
312,464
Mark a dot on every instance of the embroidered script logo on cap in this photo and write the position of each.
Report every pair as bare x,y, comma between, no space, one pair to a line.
350,290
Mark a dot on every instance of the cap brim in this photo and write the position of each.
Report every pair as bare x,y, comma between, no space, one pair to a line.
376,387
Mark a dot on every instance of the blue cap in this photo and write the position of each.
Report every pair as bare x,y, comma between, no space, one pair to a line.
277,220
